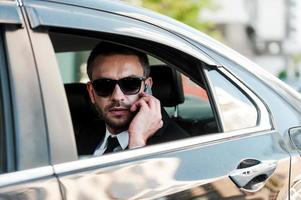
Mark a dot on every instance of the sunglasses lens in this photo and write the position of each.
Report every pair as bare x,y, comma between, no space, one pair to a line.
104,87
130,85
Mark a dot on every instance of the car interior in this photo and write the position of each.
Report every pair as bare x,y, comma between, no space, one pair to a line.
190,112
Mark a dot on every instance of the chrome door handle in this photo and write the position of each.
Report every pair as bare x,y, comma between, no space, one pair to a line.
251,174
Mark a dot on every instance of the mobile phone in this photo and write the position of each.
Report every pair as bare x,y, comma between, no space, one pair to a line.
148,89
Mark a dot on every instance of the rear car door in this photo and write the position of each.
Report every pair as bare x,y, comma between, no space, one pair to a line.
240,161
25,169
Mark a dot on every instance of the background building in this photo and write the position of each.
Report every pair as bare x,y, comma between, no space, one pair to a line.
266,31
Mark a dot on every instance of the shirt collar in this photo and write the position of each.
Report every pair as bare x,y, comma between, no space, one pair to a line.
123,138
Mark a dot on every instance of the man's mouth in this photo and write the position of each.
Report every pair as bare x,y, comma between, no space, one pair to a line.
119,111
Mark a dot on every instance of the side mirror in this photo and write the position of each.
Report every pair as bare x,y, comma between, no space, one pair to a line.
295,136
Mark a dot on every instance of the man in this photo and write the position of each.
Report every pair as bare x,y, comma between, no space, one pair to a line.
118,89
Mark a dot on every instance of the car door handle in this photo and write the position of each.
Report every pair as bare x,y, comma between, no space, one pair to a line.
252,174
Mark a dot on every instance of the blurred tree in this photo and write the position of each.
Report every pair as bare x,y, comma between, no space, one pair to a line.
186,11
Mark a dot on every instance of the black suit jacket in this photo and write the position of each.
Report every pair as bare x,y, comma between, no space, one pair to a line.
90,135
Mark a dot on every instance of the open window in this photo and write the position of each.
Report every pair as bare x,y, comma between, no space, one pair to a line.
199,100
178,80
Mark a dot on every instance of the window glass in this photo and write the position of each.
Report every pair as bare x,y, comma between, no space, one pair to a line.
73,66
195,113
237,110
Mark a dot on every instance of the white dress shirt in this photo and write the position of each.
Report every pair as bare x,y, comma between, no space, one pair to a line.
123,139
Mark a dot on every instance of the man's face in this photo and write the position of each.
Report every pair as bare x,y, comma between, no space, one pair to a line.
115,108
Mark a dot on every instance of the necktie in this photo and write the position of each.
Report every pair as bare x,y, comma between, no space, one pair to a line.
112,143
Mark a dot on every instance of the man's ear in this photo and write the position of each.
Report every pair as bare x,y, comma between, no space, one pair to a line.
149,82
91,92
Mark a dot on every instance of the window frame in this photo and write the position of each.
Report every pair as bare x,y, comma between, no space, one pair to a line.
6,124
10,15
43,16
198,66
264,118
170,59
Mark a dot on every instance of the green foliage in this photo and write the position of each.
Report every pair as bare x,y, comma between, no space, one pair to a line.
282,75
186,11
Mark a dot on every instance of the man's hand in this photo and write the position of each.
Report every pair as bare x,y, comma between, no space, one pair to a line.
147,120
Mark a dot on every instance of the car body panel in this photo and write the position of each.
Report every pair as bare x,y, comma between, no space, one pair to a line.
29,129
181,170
54,99
9,13
36,184
28,174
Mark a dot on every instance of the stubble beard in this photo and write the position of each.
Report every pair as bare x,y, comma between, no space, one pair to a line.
118,124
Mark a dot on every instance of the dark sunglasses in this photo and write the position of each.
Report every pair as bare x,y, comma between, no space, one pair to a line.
128,85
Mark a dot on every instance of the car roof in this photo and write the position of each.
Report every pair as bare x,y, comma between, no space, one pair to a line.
138,13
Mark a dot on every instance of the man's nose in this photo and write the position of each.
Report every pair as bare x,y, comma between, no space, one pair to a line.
117,94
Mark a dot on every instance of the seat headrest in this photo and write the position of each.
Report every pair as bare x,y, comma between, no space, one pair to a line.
81,107
167,85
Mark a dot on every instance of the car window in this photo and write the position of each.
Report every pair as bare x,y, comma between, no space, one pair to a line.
73,66
195,113
184,98
237,110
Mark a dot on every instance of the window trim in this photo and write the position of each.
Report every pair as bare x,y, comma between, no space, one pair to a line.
117,158
264,118
8,125
27,175
9,13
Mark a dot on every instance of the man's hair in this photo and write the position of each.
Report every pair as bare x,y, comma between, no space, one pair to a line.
107,49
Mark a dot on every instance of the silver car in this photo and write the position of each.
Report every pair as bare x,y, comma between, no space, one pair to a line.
245,124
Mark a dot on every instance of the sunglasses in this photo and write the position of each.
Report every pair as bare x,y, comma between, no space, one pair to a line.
129,85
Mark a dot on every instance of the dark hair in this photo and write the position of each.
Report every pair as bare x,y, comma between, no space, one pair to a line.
107,48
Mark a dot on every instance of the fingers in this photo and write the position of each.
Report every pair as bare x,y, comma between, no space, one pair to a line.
146,102
146,121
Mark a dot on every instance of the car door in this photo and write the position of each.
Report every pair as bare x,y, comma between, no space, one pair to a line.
248,161
25,169
283,102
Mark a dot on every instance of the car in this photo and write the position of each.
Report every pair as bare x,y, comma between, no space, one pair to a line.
244,123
